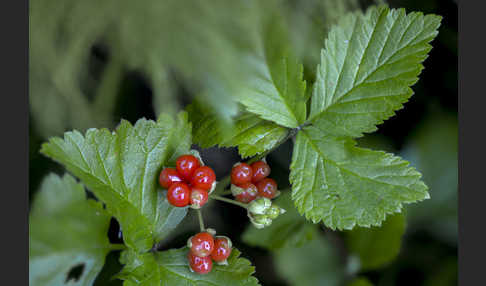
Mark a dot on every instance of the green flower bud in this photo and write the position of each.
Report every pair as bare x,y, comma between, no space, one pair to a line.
274,211
259,220
259,205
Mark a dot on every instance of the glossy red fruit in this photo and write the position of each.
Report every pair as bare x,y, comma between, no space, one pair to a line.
241,173
260,170
203,178
201,265
267,188
168,176
186,165
249,194
198,197
202,244
222,249
178,194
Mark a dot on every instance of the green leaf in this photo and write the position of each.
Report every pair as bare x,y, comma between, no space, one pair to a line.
343,185
367,67
316,263
275,86
276,92
361,281
66,230
308,22
171,268
288,230
376,247
251,134
121,168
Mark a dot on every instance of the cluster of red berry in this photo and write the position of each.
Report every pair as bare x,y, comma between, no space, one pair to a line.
250,181
204,249
250,185
189,183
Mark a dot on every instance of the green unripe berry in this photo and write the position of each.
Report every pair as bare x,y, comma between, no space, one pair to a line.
259,205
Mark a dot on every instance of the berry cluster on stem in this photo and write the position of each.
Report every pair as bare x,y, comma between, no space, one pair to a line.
250,185
204,248
189,183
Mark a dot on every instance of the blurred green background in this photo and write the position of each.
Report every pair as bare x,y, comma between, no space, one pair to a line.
95,62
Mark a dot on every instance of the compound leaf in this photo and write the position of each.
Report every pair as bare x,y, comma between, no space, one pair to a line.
121,169
66,230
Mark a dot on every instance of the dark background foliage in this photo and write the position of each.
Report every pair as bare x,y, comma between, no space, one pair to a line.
424,132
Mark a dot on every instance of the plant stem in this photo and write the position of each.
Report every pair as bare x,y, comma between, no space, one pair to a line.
201,221
230,201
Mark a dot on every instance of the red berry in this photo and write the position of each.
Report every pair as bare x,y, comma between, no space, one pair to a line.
203,178
260,170
202,244
198,197
168,176
241,173
201,265
267,188
178,194
222,249
186,165
249,194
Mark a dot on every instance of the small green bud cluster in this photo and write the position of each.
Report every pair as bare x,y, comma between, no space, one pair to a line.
261,212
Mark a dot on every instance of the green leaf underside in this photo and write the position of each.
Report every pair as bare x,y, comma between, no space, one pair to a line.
171,268
343,185
288,230
367,67
251,134
276,91
121,168
66,230
377,247
361,281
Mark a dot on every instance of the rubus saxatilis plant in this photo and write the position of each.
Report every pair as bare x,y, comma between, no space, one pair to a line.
147,177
